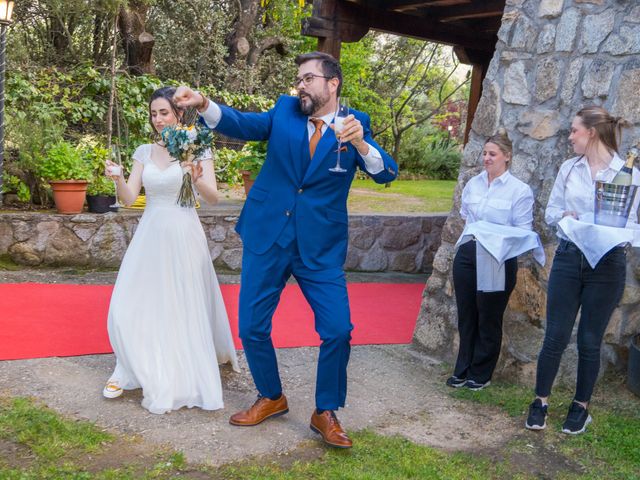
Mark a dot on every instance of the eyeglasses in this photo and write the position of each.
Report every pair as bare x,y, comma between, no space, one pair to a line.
306,79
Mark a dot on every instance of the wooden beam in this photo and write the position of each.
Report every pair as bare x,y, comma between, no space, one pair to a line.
477,76
404,5
488,8
416,27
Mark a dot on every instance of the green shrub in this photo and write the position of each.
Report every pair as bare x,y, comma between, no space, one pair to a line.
64,162
432,155
252,157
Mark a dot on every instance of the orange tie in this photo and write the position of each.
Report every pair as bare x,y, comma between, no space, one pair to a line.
315,138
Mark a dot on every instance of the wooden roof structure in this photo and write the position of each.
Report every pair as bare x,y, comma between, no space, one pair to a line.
470,26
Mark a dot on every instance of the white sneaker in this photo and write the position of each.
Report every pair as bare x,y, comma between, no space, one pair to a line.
112,390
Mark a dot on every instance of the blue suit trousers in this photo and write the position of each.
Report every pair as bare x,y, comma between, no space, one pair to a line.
263,279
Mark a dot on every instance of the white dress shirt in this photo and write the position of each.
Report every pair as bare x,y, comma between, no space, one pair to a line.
506,201
574,190
372,160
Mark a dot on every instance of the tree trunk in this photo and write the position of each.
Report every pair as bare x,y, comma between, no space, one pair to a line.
136,41
238,40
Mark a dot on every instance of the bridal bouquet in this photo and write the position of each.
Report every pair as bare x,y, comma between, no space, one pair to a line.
185,143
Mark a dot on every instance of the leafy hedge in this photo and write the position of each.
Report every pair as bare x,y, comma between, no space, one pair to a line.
46,106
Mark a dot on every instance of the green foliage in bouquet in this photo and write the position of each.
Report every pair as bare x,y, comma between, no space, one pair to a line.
187,143
64,162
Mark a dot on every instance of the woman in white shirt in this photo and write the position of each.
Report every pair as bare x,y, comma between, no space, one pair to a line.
573,284
494,196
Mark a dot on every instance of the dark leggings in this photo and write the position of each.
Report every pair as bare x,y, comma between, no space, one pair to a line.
573,284
479,316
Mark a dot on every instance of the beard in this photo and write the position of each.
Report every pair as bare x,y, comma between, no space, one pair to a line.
310,104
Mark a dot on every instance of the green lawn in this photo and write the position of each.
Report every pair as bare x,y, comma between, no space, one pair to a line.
38,444
401,196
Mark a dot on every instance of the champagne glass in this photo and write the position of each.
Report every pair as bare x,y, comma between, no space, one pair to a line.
115,170
338,123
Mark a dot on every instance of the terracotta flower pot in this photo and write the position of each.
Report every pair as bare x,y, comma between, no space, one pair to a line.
69,195
247,181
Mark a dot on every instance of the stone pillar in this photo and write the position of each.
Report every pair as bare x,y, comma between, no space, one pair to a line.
552,58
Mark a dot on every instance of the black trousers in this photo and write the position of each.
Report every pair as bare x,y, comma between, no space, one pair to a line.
574,285
479,316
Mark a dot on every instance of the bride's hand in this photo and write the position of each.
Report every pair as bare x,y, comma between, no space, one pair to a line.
111,168
196,170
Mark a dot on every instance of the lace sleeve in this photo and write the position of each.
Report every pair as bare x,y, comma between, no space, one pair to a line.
206,155
142,154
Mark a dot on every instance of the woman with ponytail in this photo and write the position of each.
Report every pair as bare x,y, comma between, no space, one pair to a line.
573,284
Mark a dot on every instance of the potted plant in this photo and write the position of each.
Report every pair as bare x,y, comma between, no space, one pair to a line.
250,162
101,190
101,195
68,173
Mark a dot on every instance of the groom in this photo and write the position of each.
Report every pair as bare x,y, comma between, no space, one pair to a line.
294,222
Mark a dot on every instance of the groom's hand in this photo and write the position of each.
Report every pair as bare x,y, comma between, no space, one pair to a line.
185,98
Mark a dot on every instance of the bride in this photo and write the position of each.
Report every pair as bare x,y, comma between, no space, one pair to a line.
167,321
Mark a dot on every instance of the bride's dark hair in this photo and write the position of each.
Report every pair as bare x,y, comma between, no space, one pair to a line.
166,93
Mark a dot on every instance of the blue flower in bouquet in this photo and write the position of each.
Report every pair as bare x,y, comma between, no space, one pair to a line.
187,143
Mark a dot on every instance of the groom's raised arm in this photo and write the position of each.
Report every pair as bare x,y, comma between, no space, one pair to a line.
226,120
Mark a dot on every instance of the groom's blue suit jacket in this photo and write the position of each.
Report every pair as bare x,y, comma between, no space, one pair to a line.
293,194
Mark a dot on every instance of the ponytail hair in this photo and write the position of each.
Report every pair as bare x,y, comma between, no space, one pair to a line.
608,128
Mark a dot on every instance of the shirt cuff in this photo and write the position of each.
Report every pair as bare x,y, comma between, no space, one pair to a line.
373,161
212,115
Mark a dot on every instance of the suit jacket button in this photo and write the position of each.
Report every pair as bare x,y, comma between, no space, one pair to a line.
287,213
300,190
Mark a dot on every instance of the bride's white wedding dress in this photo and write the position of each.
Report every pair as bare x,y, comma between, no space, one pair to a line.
167,321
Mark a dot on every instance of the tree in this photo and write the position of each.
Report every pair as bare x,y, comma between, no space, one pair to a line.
137,42
417,79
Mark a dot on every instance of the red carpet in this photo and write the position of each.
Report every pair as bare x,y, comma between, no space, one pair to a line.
45,320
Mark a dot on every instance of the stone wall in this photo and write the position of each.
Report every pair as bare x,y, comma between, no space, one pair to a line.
377,243
552,58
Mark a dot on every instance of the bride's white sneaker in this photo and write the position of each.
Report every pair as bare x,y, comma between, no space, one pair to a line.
112,390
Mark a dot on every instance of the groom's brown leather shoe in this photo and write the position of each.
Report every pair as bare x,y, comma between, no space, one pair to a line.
261,410
327,425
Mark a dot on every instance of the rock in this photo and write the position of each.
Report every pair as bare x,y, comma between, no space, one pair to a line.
595,28
232,259
627,103
516,86
215,252
487,117
64,248
374,261
550,8
566,31
547,78
597,79
443,260
108,245
405,234
524,33
539,124
24,253
22,230
522,339
546,39
6,237
218,233
570,81
434,330
362,238
529,297
84,218
626,42
404,262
